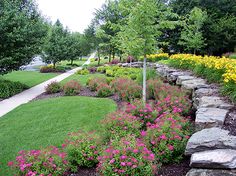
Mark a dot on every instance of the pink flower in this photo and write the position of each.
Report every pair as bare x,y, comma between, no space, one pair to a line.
163,137
135,150
129,164
171,147
92,147
10,163
143,133
112,161
123,157
123,164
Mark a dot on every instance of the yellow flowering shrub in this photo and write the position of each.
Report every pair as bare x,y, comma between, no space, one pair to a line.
211,62
157,57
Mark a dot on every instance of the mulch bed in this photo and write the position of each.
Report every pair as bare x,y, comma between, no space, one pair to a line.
180,169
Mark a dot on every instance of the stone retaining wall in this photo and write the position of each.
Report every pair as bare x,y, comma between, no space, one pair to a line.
212,149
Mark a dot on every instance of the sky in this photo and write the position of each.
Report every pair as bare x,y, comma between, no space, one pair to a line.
75,14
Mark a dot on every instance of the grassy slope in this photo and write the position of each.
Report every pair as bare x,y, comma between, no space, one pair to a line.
30,78
47,122
81,78
78,62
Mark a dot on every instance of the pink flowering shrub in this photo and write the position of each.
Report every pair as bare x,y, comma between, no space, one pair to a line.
167,138
104,90
46,162
120,124
82,149
127,89
127,156
169,95
95,82
72,88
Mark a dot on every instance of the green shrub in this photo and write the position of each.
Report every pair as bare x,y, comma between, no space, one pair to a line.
83,72
102,69
72,88
9,88
232,56
104,90
53,87
229,89
82,149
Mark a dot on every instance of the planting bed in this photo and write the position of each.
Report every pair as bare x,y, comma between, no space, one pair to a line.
138,138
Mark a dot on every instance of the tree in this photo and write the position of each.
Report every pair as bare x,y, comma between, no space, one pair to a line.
191,35
138,36
73,45
55,49
22,33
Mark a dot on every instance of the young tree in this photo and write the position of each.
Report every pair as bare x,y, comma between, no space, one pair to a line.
55,48
138,36
22,33
191,36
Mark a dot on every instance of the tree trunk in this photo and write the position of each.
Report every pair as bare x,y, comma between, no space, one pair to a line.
144,79
113,54
71,61
54,65
99,59
194,51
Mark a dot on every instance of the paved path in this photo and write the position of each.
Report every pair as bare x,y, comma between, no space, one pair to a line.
29,94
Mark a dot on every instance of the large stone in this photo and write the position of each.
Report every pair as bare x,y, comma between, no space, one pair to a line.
210,139
197,94
172,77
211,172
194,84
213,102
214,159
210,117
180,79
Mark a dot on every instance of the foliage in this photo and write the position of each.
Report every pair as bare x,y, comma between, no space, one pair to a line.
157,57
83,71
23,31
82,149
49,161
168,137
120,124
53,87
191,36
10,88
127,89
93,83
127,156
55,49
72,88
104,90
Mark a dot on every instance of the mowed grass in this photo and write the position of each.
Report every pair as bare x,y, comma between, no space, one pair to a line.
77,62
29,78
47,122
81,78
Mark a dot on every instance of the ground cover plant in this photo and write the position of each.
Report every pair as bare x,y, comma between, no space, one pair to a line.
48,122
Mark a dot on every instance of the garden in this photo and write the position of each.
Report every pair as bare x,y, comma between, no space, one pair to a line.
126,137
156,97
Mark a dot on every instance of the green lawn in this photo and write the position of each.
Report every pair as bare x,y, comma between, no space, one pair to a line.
95,63
30,78
81,78
47,122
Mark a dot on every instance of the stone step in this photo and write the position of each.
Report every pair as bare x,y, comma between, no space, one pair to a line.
180,79
210,139
194,84
210,117
214,159
213,102
211,172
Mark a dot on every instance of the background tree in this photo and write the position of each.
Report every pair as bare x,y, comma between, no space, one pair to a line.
55,49
191,36
22,33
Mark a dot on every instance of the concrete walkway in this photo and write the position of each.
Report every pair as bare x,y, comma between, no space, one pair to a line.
29,94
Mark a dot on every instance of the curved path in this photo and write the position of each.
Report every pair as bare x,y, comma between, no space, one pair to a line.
29,94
